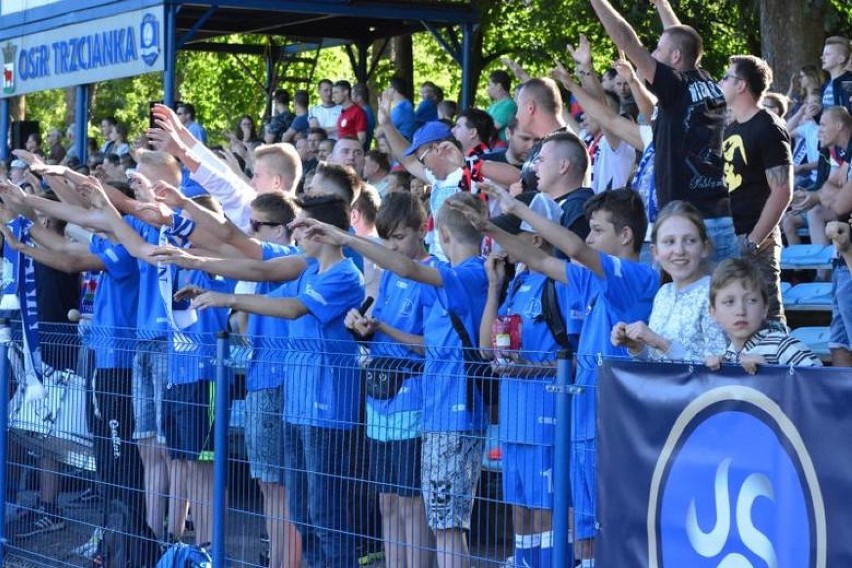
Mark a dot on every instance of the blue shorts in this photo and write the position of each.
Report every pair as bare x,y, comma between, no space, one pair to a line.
584,488
264,434
528,475
395,466
188,420
841,308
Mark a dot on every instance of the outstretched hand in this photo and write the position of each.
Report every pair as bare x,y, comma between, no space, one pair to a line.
473,215
173,256
838,232
169,195
189,292
212,300
28,157
508,203
582,54
318,231
495,268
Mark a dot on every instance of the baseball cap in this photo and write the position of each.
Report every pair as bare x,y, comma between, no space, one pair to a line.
430,132
539,203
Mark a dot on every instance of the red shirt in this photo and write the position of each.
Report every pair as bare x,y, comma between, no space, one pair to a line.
351,121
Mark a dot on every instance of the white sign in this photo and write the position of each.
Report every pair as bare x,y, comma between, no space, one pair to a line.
98,50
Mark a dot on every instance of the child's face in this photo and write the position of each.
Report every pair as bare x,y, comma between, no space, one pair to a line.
739,310
602,235
406,240
679,249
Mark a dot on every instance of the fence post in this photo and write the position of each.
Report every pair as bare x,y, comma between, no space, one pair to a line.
5,339
221,422
563,552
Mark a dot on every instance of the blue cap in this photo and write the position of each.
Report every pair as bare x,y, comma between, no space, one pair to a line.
428,133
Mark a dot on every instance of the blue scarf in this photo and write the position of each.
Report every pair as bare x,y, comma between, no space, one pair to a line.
28,300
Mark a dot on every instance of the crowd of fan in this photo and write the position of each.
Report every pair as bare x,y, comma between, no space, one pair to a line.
518,230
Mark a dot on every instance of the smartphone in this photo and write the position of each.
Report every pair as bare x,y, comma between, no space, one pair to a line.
151,122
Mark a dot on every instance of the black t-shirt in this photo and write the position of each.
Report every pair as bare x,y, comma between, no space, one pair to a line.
688,140
750,148
57,293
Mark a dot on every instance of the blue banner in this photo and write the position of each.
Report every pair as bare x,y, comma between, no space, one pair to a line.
723,469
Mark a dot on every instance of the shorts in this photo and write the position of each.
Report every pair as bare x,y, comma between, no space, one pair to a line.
584,488
395,466
452,462
264,434
150,375
841,308
188,420
528,475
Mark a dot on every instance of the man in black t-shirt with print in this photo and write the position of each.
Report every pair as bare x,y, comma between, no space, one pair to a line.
758,170
688,123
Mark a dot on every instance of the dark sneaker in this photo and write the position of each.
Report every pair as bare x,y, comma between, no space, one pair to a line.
87,498
35,523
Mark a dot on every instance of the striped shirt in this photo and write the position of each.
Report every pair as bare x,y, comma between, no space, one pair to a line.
777,348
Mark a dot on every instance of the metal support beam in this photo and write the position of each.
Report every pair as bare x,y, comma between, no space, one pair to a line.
444,42
190,33
467,84
361,74
81,130
5,123
170,56
377,57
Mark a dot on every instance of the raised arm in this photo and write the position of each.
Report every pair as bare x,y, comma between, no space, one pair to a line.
496,272
565,240
645,99
621,127
625,38
276,270
285,308
69,263
384,257
667,13
397,142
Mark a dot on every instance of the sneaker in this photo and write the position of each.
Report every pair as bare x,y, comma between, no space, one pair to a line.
88,549
87,498
35,523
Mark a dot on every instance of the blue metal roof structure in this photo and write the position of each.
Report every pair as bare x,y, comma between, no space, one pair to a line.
75,40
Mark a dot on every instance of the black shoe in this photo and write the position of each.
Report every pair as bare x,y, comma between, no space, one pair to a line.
87,498
36,523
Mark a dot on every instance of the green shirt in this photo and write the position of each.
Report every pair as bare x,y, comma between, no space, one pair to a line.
502,112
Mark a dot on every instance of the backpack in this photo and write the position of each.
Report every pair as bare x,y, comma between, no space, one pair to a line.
182,555
124,545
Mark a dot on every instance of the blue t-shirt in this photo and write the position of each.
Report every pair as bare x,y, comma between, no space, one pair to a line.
401,304
300,123
402,117
527,410
268,334
624,293
115,308
463,293
322,386
371,125
151,318
427,111
193,350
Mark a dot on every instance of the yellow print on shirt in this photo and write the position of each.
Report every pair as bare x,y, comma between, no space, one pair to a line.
730,147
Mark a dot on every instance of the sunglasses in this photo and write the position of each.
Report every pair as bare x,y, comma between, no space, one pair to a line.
256,225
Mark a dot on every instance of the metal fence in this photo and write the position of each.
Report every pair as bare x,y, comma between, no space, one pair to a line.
269,453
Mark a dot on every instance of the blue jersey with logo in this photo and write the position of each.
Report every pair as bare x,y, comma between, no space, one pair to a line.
322,386
115,306
151,320
268,334
625,293
527,410
193,350
401,304
464,292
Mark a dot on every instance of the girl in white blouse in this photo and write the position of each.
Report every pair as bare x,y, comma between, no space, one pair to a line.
680,327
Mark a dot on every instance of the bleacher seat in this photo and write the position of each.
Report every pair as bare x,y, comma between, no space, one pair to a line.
785,286
806,257
811,296
816,338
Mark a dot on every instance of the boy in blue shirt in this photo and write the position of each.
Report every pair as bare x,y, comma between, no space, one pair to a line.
394,420
453,422
321,386
606,275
